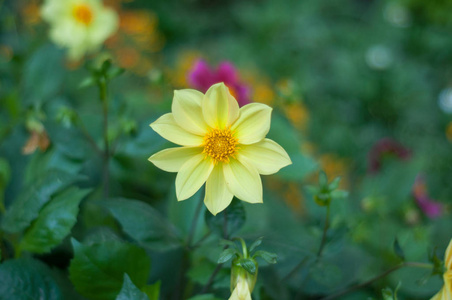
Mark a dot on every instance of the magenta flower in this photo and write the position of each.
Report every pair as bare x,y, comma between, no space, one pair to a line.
431,208
386,147
202,77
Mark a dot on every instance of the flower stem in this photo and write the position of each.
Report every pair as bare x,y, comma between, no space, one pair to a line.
325,229
104,99
372,280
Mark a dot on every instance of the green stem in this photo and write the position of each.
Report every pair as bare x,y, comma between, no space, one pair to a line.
104,99
244,249
325,229
88,137
378,277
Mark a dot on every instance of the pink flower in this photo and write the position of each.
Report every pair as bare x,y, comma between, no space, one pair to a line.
431,208
202,77
384,148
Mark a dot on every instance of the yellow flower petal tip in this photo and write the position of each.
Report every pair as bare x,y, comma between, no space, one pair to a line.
446,291
222,145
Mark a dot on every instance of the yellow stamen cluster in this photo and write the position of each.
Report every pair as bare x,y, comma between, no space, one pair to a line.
220,144
83,14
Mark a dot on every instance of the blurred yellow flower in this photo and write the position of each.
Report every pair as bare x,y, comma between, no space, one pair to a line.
81,26
223,146
446,292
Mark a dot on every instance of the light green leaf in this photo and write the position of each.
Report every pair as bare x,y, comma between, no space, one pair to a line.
271,258
152,290
54,222
27,279
26,207
144,224
97,270
130,292
255,244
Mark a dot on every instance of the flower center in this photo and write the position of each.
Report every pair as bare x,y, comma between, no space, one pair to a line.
83,14
220,144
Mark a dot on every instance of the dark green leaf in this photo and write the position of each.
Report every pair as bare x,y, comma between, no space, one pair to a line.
5,173
97,270
54,222
249,265
205,297
105,66
271,258
26,207
255,244
226,255
152,290
130,292
398,249
144,224
43,75
27,279
235,218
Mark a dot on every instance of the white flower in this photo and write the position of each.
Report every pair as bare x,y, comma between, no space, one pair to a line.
81,26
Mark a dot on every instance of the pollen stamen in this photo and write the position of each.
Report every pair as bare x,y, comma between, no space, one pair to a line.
220,145
83,14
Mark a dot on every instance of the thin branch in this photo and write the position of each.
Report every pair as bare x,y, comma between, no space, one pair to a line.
325,229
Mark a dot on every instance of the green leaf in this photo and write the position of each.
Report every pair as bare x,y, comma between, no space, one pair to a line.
114,72
334,184
26,207
87,82
398,249
323,180
54,222
255,244
339,194
130,292
97,270
27,279
235,218
205,297
152,290
144,224
249,265
43,75
5,173
271,258
226,255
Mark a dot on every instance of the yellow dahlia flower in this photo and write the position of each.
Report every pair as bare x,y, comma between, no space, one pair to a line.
446,292
79,25
222,146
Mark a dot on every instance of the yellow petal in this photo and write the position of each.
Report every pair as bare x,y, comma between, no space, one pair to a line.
241,291
172,159
187,111
448,256
192,176
243,181
167,127
219,108
267,156
217,197
253,123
